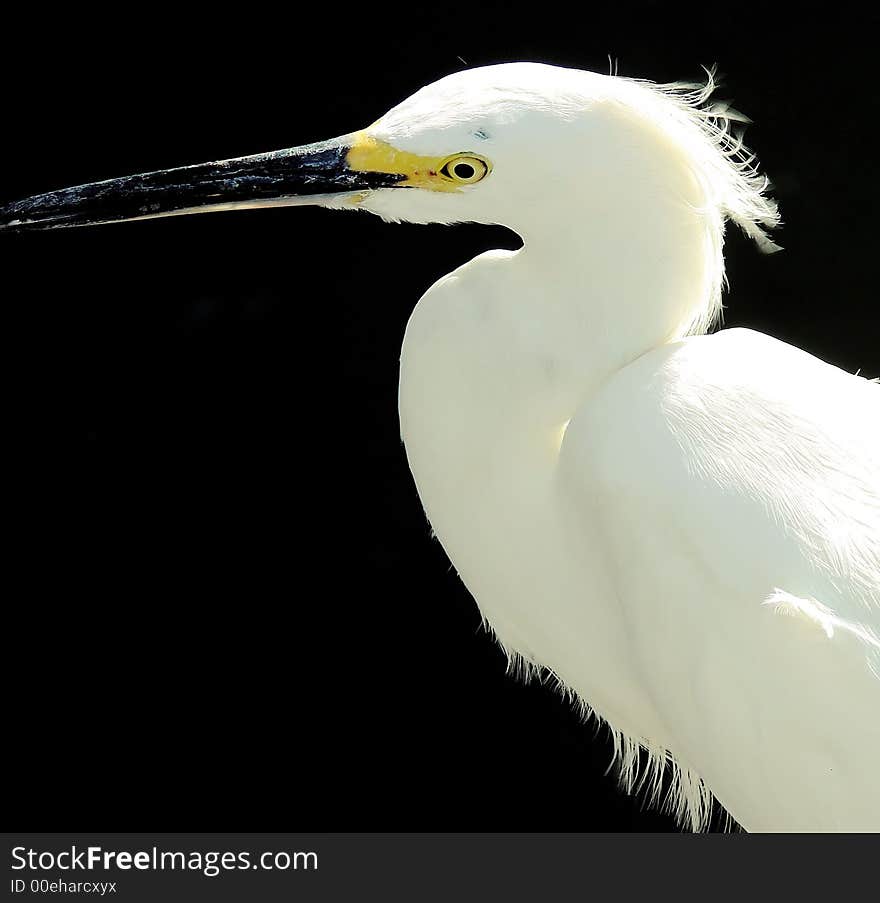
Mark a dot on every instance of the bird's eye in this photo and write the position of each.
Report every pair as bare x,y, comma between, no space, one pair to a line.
465,169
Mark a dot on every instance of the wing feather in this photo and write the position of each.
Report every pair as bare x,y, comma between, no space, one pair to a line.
730,471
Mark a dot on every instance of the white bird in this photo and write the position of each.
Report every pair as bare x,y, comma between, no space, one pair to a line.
684,529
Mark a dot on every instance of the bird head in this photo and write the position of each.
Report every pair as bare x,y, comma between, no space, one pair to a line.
512,144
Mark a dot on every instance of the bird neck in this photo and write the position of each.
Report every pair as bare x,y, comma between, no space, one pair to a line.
627,266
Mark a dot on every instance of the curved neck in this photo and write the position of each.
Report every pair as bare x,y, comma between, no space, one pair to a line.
627,262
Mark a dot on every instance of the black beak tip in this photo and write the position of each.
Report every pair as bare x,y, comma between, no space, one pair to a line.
30,214
10,220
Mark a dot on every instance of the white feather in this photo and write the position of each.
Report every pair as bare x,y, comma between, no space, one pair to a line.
695,477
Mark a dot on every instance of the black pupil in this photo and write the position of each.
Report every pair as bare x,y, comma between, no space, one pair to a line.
464,170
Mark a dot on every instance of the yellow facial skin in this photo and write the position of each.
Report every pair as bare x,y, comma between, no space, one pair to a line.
368,154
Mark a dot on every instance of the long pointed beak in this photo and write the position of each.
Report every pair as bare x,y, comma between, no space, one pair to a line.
297,175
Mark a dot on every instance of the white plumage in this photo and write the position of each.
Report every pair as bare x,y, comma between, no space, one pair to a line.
703,485
684,529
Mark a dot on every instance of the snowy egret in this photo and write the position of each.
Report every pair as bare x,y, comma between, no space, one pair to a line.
683,529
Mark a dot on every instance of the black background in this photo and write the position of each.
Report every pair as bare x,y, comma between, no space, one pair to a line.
224,607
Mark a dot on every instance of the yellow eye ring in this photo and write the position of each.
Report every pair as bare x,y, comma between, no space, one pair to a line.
465,169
